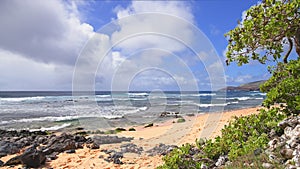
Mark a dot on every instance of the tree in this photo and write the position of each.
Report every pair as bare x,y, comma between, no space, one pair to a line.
262,35
263,31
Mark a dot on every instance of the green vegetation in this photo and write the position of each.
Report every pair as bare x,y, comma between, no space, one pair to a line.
256,161
120,130
110,132
241,137
181,120
260,36
284,87
131,129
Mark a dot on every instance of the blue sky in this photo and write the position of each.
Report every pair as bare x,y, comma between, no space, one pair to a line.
42,41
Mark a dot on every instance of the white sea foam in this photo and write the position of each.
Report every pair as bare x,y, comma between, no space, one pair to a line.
103,99
53,128
47,118
238,98
138,99
137,94
185,101
143,108
104,95
19,99
258,94
211,105
112,116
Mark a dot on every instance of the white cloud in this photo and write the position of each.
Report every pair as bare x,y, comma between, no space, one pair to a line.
20,73
40,42
149,47
176,8
45,31
153,30
243,78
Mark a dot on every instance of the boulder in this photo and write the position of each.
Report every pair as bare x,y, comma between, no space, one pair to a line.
287,153
93,146
267,165
221,161
72,151
131,148
33,157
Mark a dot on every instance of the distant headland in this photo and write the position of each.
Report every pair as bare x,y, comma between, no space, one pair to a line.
252,86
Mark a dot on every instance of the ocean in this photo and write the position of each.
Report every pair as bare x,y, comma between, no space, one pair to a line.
54,110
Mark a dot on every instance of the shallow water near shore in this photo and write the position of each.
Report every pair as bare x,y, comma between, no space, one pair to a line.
52,110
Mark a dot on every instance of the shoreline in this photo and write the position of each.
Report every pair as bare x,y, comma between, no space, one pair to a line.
166,133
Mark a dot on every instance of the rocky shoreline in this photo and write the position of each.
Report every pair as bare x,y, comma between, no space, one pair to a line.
34,149
136,148
42,146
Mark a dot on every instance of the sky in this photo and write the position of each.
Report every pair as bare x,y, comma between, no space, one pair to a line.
173,45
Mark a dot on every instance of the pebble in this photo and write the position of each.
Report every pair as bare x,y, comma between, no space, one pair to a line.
287,153
70,151
267,165
221,161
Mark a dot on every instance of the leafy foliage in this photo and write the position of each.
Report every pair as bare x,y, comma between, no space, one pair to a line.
180,120
266,27
284,87
180,158
260,35
240,137
244,134
256,161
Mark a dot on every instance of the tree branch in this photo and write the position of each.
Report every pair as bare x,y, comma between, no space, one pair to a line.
297,41
289,51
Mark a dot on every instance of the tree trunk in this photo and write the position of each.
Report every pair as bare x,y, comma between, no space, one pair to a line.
297,42
285,59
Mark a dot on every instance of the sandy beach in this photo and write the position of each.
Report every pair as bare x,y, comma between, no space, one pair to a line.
169,133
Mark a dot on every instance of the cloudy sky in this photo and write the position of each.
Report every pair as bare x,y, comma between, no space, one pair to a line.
50,45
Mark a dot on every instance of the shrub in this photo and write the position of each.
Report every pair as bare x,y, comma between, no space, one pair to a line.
240,137
180,120
120,130
284,87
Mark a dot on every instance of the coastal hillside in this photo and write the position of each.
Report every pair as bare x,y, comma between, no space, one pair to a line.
252,86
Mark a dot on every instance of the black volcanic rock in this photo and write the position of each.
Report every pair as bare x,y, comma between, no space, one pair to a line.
33,157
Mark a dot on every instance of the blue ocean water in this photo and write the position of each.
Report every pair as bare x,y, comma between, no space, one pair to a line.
51,110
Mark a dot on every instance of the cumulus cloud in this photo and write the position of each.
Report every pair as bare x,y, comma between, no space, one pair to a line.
39,44
175,8
45,31
155,28
144,41
21,73
41,41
